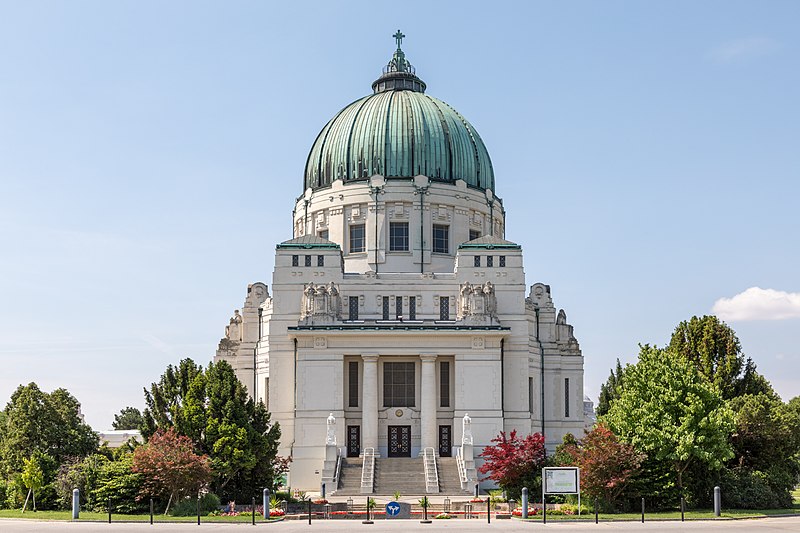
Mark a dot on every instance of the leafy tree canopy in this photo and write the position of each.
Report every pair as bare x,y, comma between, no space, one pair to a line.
212,408
514,463
35,421
713,348
669,412
128,418
610,390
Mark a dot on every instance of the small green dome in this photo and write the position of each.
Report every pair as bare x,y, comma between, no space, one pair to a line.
399,132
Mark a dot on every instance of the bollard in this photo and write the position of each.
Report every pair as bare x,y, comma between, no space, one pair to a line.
642,510
151,511
488,511
309,511
683,508
198,509
524,502
323,491
477,490
367,521
109,509
717,501
253,511
76,503
596,515
265,495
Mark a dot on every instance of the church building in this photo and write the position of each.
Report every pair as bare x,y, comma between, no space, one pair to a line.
398,326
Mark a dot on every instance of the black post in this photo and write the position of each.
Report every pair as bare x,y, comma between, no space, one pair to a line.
198,509
367,521
642,510
309,511
683,507
151,511
596,516
488,511
253,509
544,508
109,509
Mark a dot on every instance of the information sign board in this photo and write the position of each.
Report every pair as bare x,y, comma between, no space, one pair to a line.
561,480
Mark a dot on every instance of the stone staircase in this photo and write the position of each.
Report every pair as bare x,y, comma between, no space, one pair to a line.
449,482
399,474
350,477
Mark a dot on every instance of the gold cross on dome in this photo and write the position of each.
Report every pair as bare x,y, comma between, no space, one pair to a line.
399,38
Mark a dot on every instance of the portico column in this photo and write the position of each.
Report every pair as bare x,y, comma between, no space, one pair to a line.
369,411
428,401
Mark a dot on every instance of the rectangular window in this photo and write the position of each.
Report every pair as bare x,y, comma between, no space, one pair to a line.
308,260
295,260
444,384
358,240
352,380
324,234
502,260
489,260
398,385
412,307
352,306
398,236
476,261
441,239
474,234
530,395
444,308
398,306
320,260
566,397
385,308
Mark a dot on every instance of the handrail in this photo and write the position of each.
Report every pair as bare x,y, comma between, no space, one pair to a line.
338,469
368,471
431,470
462,469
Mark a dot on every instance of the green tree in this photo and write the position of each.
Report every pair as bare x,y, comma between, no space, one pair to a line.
128,418
670,413
34,421
33,479
610,390
713,348
212,408
118,481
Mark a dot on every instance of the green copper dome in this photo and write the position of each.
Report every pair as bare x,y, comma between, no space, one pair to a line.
399,132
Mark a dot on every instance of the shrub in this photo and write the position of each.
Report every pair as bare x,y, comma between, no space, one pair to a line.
746,489
188,506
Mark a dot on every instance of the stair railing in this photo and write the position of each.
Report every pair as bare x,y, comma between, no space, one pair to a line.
368,471
462,469
338,469
431,471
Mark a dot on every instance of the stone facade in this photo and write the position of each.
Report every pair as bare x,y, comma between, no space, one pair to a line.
512,361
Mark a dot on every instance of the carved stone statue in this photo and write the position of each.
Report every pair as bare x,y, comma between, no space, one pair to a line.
477,304
561,320
466,427
331,436
233,331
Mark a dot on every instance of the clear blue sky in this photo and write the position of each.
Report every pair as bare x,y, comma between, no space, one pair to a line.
150,153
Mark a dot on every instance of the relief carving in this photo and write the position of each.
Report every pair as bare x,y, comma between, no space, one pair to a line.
477,303
322,304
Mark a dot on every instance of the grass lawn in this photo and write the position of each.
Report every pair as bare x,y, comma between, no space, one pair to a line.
102,517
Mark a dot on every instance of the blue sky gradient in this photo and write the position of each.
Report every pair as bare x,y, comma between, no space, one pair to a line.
150,153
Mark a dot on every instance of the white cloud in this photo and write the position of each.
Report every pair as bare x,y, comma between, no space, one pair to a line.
740,50
759,304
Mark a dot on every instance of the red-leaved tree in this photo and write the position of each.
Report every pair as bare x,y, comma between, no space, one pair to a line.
170,467
514,463
607,465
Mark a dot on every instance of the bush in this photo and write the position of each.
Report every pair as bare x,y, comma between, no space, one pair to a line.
3,490
117,481
188,506
746,489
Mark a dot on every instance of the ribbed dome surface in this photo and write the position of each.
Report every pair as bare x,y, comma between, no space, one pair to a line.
399,134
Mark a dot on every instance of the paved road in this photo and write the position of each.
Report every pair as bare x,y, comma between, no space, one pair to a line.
766,525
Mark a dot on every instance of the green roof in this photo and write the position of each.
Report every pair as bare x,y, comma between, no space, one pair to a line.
489,242
399,132
307,242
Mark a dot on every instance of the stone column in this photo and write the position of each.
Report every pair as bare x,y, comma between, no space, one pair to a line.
369,409
428,401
